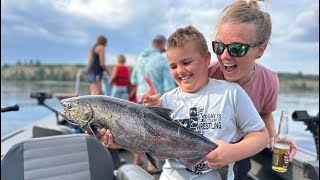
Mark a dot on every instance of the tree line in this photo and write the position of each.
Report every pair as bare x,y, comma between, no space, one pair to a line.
60,72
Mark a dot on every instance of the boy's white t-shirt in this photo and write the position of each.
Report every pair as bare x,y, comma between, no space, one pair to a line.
218,111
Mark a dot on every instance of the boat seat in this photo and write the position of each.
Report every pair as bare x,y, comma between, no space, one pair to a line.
71,156
132,172
45,130
311,169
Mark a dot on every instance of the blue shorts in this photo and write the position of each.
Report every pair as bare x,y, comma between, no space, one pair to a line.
120,92
93,77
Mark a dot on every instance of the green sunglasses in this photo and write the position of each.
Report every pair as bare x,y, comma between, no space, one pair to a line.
234,49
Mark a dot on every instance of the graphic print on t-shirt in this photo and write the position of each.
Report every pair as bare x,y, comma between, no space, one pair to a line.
199,121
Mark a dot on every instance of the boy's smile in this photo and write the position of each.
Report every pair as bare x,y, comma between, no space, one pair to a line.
188,67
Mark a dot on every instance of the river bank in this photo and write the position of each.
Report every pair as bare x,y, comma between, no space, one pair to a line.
64,73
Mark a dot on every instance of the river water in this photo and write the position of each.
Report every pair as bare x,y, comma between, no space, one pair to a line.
18,92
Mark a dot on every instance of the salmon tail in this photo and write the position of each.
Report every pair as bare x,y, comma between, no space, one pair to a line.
190,163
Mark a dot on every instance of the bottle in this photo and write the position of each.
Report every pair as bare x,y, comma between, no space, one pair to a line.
280,155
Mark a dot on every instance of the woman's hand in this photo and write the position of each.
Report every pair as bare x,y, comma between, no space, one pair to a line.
293,150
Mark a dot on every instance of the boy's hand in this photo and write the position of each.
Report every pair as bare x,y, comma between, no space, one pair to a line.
221,156
106,138
150,97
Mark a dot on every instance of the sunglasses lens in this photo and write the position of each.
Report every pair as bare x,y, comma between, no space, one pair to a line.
237,50
218,47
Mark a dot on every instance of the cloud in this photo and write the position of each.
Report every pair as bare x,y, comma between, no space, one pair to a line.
306,26
113,14
19,18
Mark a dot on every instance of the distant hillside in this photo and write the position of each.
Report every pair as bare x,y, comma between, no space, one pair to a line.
57,72
288,82
298,82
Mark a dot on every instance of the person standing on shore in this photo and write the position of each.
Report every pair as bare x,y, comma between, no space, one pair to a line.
97,66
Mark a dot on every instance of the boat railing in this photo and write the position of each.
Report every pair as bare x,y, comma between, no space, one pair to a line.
78,78
76,86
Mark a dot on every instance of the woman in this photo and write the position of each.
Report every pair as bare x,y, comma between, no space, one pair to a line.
97,65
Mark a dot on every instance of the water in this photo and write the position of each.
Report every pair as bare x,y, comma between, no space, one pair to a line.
15,92
18,92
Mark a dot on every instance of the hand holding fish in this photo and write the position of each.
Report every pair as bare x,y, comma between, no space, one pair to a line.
221,156
107,139
150,97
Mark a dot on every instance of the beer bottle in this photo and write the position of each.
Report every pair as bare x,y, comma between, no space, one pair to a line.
280,155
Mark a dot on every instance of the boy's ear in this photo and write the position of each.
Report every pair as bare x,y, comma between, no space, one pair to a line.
208,57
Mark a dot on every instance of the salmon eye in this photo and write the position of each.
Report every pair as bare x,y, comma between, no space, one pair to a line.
68,105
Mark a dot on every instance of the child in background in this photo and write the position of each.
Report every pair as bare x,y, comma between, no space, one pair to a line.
120,79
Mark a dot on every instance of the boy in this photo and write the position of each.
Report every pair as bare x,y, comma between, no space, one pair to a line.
216,109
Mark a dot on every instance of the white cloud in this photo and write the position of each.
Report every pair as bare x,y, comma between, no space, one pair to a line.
112,14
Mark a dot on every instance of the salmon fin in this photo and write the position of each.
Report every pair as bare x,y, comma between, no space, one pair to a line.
223,172
93,129
163,112
153,160
190,163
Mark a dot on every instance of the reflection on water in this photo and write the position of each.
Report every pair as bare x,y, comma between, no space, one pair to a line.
17,92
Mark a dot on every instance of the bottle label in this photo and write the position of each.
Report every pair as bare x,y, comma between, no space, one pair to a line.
280,157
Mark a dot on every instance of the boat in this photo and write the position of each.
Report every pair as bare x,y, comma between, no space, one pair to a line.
304,166
53,148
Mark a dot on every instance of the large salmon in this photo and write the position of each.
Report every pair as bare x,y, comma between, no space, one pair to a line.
137,127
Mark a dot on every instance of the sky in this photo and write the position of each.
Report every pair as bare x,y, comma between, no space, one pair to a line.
63,31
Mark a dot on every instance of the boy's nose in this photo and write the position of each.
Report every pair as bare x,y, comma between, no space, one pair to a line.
180,70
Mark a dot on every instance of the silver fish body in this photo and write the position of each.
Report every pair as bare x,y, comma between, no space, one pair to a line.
137,127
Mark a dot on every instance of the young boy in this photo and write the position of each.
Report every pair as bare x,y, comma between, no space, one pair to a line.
217,109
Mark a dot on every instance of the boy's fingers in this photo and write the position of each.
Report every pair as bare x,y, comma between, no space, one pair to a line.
151,89
153,100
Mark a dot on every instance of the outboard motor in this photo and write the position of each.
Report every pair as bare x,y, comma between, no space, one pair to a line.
310,168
